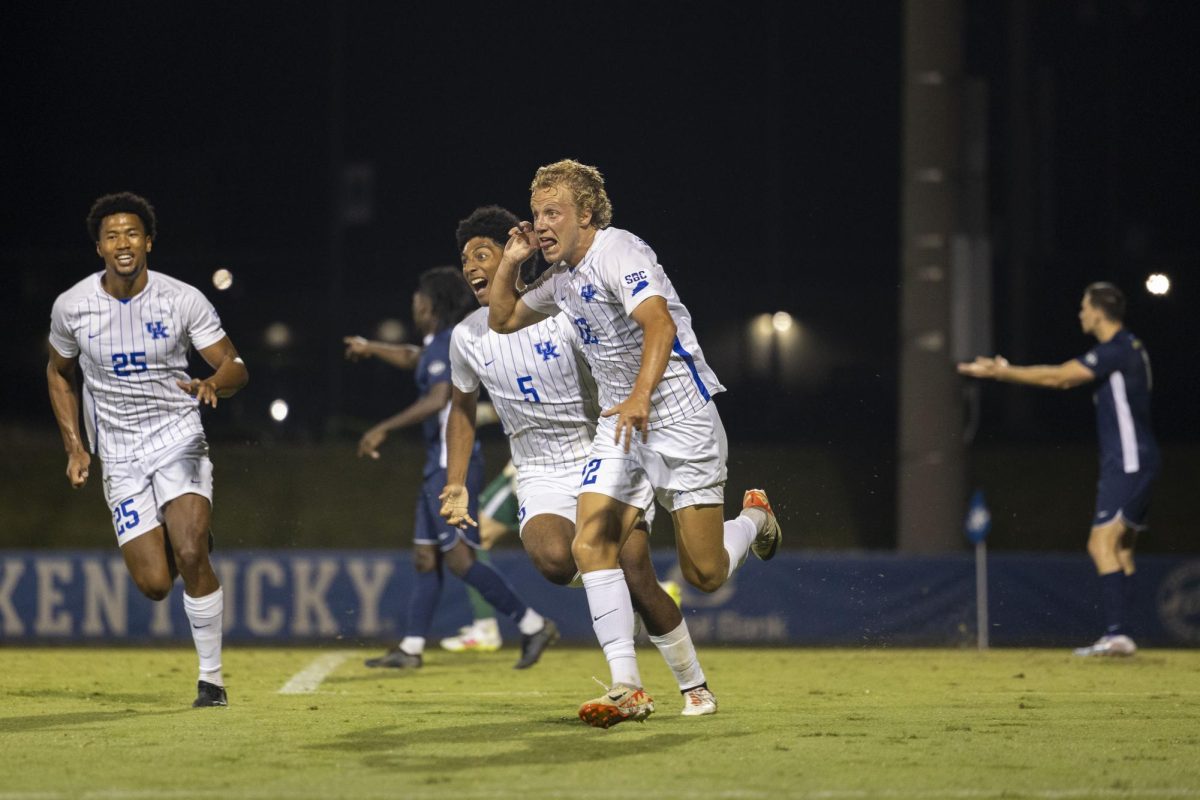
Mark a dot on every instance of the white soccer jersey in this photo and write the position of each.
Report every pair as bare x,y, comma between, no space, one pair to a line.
599,295
131,353
542,392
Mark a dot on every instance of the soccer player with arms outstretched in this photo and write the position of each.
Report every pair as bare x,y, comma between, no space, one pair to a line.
129,330
1129,456
547,402
659,420
440,302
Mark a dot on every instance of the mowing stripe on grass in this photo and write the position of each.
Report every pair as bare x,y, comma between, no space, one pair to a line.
308,679
606,794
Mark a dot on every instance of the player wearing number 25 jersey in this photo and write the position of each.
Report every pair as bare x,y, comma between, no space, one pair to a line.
131,353
129,331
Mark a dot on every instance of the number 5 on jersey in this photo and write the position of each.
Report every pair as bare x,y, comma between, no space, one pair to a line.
525,383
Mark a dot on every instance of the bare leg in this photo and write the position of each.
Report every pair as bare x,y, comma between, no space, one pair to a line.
148,565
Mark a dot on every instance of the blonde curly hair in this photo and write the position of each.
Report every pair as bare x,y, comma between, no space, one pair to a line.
586,185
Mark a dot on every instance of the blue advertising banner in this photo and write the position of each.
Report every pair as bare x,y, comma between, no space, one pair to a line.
800,598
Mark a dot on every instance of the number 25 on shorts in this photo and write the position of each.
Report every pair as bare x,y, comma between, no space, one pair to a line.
124,512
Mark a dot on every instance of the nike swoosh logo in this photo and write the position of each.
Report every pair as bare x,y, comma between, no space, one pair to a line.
198,627
605,614
93,335
614,697
489,363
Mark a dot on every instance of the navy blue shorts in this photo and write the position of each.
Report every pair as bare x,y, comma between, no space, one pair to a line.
429,527
1124,495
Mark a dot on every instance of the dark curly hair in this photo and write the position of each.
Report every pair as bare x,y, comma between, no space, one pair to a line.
448,292
122,203
494,222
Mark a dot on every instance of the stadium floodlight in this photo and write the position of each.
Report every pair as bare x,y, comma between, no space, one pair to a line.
391,331
277,335
782,321
1158,284
222,279
279,410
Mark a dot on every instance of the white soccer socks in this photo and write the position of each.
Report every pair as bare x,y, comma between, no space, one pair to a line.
530,622
204,615
413,645
680,654
739,535
612,619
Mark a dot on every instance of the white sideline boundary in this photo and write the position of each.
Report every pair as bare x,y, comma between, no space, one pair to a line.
308,679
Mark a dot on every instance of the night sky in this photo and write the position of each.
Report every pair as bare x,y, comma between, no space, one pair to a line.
756,147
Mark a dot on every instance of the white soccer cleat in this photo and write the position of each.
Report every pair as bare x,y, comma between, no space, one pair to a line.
1109,645
481,636
699,702
618,704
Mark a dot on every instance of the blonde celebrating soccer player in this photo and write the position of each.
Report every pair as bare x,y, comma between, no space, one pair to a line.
659,435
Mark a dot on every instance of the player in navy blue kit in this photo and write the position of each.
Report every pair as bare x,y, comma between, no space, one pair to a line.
440,302
1129,457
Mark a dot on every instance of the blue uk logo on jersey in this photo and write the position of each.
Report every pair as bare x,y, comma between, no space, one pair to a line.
547,350
157,330
588,293
641,285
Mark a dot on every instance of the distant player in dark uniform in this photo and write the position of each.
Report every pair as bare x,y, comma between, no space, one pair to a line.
440,302
1129,457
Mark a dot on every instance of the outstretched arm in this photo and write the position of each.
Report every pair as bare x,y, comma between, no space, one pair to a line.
64,399
506,311
229,374
460,439
1067,375
404,356
658,336
433,402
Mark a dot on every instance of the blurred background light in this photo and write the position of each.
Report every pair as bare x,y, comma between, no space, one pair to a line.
279,410
1158,284
392,331
277,336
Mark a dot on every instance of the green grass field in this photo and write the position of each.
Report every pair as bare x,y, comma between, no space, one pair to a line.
116,723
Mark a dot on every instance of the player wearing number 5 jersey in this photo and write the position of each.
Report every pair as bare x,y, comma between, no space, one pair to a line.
659,421
128,331
546,400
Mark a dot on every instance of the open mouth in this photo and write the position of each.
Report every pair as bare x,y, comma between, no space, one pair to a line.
478,284
125,260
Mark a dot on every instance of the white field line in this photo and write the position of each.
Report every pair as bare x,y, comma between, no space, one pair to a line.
308,679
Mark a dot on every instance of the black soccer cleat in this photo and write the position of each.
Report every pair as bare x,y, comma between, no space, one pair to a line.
209,695
533,645
395,658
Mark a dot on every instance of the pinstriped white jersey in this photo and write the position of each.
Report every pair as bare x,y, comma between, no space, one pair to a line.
599,295
543,394
131,352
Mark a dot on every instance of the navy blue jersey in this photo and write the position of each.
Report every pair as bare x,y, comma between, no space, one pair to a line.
1122,369
434,368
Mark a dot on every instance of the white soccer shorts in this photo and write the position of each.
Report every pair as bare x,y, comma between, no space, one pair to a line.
137,490
558,493
683,462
